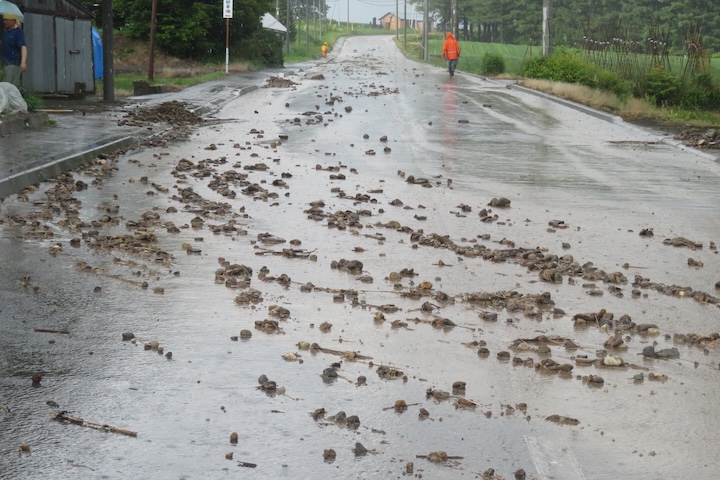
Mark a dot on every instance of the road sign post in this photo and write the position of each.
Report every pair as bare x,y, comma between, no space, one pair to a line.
227,15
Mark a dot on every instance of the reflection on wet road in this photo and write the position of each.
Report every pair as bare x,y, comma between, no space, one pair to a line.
444,276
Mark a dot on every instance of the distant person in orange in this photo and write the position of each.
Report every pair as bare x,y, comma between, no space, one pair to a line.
324,49
451,52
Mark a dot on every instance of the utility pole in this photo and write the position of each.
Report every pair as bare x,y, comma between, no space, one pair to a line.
307,25
108,72
287,28
153,28
453,18
405,22
547,16
397,19
426,54
348,12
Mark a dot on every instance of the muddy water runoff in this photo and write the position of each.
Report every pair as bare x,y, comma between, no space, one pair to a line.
605,181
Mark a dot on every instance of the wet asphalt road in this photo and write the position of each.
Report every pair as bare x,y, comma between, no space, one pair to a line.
472,140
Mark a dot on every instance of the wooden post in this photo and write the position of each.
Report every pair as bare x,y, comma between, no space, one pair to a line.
108,72
307,26
153,27
426,21
453,18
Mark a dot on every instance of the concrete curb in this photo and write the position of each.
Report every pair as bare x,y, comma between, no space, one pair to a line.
217,104
54,167
18,122
15,183
608,117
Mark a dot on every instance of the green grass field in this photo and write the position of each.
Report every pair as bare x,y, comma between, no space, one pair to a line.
516,55
472,54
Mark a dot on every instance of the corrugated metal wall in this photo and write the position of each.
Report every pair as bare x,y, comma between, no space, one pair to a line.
39,36
73,40
59,48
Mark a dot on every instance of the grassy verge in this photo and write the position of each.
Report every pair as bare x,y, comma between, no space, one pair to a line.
631,109
175,80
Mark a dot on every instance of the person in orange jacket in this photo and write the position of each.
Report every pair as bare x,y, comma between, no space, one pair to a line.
451,52
324,49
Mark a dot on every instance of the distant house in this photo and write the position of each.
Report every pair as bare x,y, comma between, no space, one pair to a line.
390,21
59,39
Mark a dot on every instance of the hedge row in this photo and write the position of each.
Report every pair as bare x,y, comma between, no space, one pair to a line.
658,86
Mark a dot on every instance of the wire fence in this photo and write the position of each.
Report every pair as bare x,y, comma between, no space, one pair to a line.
614,48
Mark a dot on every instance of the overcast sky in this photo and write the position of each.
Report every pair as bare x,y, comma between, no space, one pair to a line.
363,11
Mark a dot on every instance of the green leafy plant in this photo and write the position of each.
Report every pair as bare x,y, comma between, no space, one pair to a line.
660,87
493,64
693,98
700,94
611,82
33,100
561,67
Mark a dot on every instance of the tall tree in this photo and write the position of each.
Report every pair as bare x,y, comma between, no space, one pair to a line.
192,28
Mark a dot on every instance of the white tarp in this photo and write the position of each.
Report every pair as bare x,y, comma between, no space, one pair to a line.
11,101
268,21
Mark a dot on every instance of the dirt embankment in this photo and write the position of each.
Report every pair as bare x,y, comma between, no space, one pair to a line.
133,56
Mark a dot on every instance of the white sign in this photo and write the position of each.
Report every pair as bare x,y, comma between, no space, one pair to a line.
227,8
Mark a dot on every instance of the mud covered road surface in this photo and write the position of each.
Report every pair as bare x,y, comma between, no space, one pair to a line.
375,271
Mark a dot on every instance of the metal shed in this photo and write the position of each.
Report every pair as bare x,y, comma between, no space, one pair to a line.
59,39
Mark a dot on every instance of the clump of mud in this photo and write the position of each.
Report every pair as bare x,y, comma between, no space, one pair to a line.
277,82
700,139
173,113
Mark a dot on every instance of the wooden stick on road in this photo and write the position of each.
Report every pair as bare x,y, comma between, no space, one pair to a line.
85,423
50,330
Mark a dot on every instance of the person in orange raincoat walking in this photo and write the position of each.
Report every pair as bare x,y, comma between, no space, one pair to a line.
324,49
451,52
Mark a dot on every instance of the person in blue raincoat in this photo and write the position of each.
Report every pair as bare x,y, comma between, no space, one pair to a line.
14,50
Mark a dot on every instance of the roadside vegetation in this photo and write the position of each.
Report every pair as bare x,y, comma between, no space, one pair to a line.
656,96
176,73
602,44
660,95
564,74
327,32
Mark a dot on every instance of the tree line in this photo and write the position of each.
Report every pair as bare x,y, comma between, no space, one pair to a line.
520,21
196,28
